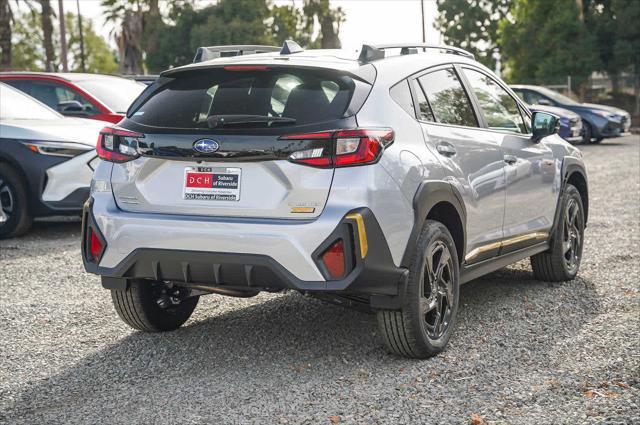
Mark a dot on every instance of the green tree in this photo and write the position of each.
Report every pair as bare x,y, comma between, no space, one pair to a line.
99,57
28,45
547,50
233,22
174,44
601,20
242,22
46,17
329,20
289,23
27,53
472,25
627,44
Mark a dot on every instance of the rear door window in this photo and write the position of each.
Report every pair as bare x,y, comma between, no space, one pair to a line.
187,101
426,113
447,99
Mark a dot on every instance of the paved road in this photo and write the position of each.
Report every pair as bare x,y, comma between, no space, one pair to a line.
524,351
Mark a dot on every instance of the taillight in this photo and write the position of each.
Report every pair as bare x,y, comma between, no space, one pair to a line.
333,259
349,148
117,144
246,68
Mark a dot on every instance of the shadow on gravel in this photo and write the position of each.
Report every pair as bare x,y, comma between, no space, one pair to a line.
279,345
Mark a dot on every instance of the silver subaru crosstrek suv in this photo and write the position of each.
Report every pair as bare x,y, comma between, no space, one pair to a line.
381,180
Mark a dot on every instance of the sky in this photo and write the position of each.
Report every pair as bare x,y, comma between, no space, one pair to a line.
367,21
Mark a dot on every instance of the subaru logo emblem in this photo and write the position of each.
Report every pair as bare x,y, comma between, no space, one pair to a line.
206,146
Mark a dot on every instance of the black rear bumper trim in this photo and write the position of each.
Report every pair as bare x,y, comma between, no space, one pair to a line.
375,276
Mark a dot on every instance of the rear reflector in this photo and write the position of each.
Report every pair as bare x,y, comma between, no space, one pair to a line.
350,147
333,259
95,246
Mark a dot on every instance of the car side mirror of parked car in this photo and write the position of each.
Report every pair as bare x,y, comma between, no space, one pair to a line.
71,107
543,125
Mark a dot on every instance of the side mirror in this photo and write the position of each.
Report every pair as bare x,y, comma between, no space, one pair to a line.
543,125
71,107
544,101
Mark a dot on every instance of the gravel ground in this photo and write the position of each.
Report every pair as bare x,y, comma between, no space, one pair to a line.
524,351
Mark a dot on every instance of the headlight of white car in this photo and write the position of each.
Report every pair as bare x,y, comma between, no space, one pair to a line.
606,114
66,149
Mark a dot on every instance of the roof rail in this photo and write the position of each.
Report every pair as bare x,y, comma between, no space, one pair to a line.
370,53
212,52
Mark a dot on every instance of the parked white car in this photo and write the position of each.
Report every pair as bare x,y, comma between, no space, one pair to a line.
46,161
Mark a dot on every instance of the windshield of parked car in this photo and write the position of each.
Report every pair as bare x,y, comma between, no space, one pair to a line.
555,96
116,93
16,105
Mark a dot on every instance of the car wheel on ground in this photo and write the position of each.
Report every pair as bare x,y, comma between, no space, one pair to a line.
562,261
15,219
597,140
153,306
424,325
587,134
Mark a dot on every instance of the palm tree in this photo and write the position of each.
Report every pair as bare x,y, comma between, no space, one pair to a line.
47,32
126,15
6,21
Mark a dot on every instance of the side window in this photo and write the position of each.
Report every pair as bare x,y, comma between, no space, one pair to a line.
51,94
533,98
447,98
520,94
500,110
401,94
525,117
22,85
426,113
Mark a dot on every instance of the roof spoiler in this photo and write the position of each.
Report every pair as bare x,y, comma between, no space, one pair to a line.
370,53
213,52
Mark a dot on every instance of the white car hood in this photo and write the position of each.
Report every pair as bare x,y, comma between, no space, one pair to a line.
78,130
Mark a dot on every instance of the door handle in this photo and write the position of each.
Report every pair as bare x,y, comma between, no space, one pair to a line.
445,149
510,159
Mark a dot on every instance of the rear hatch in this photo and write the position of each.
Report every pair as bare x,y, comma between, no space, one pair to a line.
217,142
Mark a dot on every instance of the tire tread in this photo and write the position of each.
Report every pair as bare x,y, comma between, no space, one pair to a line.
549,266
399,330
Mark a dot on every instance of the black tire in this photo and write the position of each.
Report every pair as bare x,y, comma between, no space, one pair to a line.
587,132
414,331
597,140
562,261
138,306
15,219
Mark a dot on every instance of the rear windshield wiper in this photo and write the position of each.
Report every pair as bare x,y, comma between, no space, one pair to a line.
221,120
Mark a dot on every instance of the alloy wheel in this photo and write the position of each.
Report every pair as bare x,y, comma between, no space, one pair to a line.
7,203
572,242
436,302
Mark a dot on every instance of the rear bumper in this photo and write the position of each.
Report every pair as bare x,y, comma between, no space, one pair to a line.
244,254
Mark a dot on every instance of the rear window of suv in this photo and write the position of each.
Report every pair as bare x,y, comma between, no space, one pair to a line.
187,101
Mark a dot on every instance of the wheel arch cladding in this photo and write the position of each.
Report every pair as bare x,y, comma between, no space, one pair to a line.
447,214
577,179
440,201
575,174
